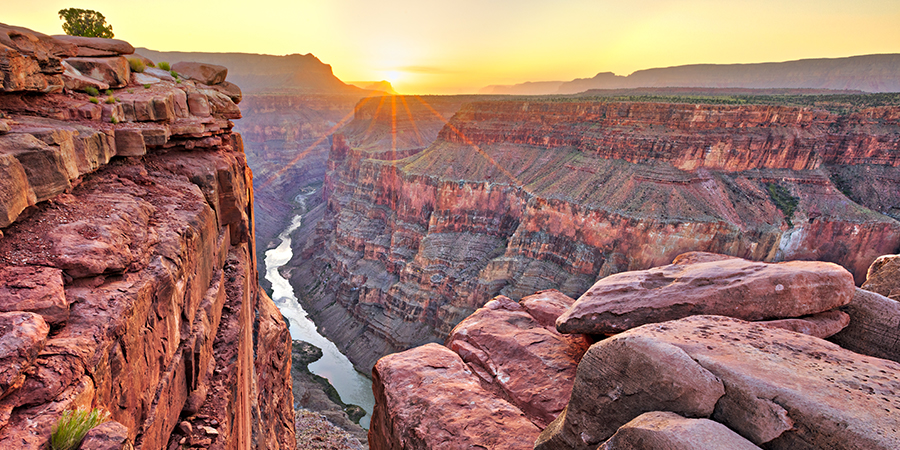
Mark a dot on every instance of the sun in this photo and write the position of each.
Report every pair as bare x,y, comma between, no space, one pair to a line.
392,76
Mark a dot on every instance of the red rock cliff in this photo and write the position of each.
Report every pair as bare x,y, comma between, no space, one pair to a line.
515,197
127,253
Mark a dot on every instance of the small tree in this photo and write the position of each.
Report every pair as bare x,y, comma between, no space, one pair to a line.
84,22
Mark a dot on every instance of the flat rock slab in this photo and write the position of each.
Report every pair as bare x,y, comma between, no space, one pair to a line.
22,336
205,73
660,430
530,364
730,287
883,276
95,46
821,325
34,289
427,398
782,390
874,327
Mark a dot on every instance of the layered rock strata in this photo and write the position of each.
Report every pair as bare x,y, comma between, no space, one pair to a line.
519,196
127,248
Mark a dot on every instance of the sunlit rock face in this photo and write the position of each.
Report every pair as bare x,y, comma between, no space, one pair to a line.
517,196
126,257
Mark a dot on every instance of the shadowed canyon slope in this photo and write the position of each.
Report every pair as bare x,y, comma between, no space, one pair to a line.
519,196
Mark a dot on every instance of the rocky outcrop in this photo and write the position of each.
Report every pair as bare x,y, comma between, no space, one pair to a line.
506,354
664,430
883,277
733,287
776,388
127,233
518,196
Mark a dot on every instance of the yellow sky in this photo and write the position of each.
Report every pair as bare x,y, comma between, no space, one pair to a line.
424,46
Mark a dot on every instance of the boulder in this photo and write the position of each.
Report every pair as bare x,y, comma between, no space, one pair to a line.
30,61
232,90
427,398
821,325
34,289
164,75
4,127
106,436
874,328
733,287
22,336
143,78
44,166
95,46
530,364
659,430
883,276
113,71
130,142
546,306
75,81
782,390
209,74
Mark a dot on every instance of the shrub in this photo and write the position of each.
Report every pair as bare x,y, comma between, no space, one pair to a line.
136,65
108,92
92,91
110,100
94,100
113,120
164,66
147,86
173,73
73,425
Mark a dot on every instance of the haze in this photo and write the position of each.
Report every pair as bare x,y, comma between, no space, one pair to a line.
461,46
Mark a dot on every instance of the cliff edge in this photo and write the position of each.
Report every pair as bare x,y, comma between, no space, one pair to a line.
127,254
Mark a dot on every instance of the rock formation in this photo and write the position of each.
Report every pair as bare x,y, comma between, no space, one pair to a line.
127,259
518,196
695,382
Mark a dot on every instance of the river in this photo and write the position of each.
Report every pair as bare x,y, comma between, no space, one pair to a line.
352,386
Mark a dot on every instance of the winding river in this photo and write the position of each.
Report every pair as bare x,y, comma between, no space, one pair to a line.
352,386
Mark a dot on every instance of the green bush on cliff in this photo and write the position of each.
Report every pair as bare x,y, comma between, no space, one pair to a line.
92,91
783,199
164,66
73,425
136,65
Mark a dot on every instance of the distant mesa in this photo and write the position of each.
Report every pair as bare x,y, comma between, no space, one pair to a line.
383,86
266,74
867,73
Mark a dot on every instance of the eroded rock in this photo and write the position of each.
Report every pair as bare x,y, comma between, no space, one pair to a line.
106,436
883,276
874,327
732,287
821,325
427,397
95,46
22,336
113,71
660,430
782,390
205,73
34,289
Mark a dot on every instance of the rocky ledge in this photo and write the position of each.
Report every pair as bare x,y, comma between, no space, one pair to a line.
672,380
127,256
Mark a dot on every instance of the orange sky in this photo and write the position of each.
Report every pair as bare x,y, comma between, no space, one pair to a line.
423,46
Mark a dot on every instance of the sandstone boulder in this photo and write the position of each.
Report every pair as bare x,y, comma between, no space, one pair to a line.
75,81
232,90
209,74
526,362
546,306
660,430
44,166
94,46
106,436
734,287
113,71
164,75
821,325
874,327
22,336
143,78
883,276
782,390
34,289
427,398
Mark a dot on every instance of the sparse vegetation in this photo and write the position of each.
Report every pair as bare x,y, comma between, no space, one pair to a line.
110,100
136,65
147,86
85,22
164,66
173,73
73,425
113,120
108,92
92,91
94,100
783,199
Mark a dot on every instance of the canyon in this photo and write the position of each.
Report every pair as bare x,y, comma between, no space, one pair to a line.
128,256
432,207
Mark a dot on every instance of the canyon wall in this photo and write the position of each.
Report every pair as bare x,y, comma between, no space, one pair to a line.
513,197
127,256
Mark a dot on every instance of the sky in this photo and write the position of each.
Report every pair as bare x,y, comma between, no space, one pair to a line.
424,46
